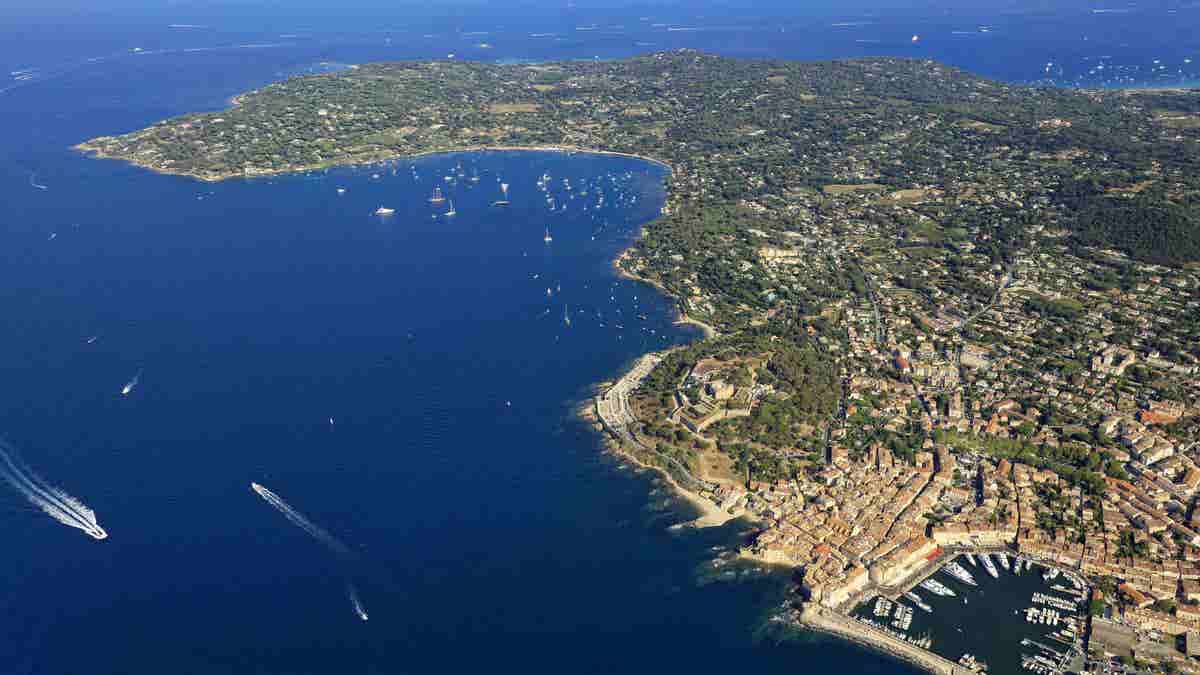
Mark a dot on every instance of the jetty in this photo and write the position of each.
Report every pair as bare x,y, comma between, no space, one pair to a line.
833,622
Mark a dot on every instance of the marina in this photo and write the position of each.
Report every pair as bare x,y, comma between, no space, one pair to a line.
1010,623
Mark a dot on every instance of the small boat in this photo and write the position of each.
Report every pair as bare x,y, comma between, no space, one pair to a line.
341,191
384,211
451,211
547,238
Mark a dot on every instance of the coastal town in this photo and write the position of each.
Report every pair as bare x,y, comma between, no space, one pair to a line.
950,319
1052,418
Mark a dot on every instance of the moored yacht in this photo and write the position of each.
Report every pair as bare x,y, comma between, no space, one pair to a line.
959,572
989,565
937,588
916,600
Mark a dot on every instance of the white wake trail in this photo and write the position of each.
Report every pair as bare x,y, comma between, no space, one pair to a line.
54,502
352,592
300,521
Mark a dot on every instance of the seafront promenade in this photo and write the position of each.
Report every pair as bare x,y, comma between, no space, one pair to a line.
840,625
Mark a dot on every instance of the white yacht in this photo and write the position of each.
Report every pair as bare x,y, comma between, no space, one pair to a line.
959,572
937,588
989,565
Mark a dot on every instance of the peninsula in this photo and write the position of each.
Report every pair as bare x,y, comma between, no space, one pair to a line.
951,315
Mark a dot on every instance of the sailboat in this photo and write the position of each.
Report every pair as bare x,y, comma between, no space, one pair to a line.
503,201
451,211
547,238
437,197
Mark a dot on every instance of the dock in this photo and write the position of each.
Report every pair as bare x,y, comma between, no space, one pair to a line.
840,625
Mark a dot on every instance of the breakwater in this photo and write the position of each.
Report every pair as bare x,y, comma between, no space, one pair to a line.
837,624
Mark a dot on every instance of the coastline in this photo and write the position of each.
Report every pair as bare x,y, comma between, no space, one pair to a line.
710,514
92,151
682,319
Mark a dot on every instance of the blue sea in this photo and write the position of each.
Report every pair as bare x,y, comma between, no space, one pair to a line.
406,383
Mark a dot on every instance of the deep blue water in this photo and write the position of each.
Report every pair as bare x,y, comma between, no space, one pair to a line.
489,530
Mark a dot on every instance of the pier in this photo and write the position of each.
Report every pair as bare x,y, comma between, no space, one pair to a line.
840,625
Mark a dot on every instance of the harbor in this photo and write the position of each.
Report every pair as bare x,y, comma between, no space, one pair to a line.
996,613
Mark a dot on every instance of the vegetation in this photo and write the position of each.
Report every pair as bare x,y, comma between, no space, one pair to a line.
1112,166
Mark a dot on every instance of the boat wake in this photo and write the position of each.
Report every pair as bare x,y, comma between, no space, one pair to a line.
54,502
125,391
352,593
300,521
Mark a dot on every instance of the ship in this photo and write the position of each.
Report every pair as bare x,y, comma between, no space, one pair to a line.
937,588
959,572
437,197
384,211
989,565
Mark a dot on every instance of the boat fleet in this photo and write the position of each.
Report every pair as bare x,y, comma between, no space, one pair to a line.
894,619
587,194
1057,613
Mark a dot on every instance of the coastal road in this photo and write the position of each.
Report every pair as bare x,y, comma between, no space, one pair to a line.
613,405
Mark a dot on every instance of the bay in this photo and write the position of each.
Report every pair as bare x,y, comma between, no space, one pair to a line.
488,528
